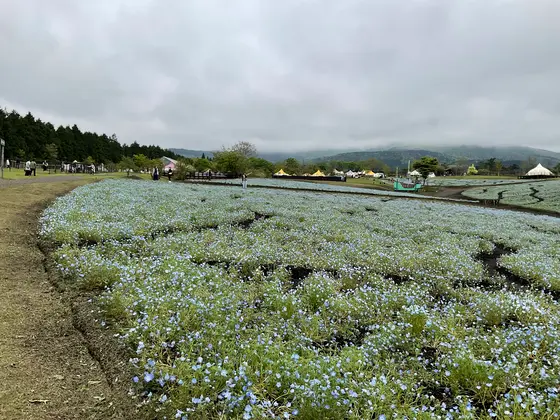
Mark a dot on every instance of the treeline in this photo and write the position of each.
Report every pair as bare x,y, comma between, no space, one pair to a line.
29,138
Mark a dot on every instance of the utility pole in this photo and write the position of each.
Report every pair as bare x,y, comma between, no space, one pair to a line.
2,144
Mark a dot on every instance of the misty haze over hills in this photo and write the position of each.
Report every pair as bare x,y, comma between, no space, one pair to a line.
394,156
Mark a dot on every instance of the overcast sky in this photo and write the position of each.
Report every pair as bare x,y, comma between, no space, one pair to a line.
288,74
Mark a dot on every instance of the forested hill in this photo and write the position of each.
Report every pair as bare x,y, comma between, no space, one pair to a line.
30,138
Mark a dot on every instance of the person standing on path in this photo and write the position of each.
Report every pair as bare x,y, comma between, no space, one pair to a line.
34,167
8,164
244,181
27,168
155,174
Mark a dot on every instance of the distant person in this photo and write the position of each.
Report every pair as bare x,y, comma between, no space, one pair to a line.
169,174
92,169
244,181
27,168
155,174
8,164
34,167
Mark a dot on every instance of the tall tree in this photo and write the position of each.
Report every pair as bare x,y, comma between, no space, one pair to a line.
231,162
499,166
51,152
29,137
245,148
425,165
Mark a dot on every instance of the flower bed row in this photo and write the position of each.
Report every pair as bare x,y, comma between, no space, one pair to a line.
280,304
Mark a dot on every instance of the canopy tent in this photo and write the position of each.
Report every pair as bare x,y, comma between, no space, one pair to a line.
539,170
431,175
337,172
318,173
281,173
414,173
370,173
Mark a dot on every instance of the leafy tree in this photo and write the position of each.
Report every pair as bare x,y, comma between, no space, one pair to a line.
183,170
556,169
425,165
127,164
141,161
499,166
260,167
230,161
490,164
462,165
472,170
202,164
27,136
245,148
291,166
88,160
51,151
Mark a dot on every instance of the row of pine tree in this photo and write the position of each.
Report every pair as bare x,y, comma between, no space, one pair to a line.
29,138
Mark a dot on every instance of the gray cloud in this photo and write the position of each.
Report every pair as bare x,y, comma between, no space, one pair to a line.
291,74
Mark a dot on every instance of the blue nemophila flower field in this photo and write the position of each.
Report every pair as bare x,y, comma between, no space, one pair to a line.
542,195
281,304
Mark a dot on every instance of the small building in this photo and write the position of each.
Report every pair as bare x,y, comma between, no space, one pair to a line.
168,164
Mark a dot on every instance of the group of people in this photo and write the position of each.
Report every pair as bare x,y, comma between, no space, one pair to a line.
30,168
168,172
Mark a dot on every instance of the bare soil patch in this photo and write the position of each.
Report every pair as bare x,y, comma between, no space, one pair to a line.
46,369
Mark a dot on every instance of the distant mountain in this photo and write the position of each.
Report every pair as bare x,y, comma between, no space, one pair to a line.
399,156
192,153
270,156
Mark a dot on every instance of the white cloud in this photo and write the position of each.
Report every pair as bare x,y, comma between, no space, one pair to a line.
289,75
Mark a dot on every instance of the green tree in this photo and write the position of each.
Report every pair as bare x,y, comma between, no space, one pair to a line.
51,152
141,161
472,170
291,166
202,164
88,160
245,148
556,169
127,164
462,164
425,165
490,164
183,170
260,167
499,166
231,162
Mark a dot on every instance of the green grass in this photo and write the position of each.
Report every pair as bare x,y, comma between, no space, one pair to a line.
19,173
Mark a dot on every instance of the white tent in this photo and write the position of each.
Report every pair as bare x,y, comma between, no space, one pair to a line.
337,172
414,173
431,175
539,170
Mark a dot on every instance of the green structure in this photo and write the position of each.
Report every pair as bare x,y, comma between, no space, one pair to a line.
397,186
